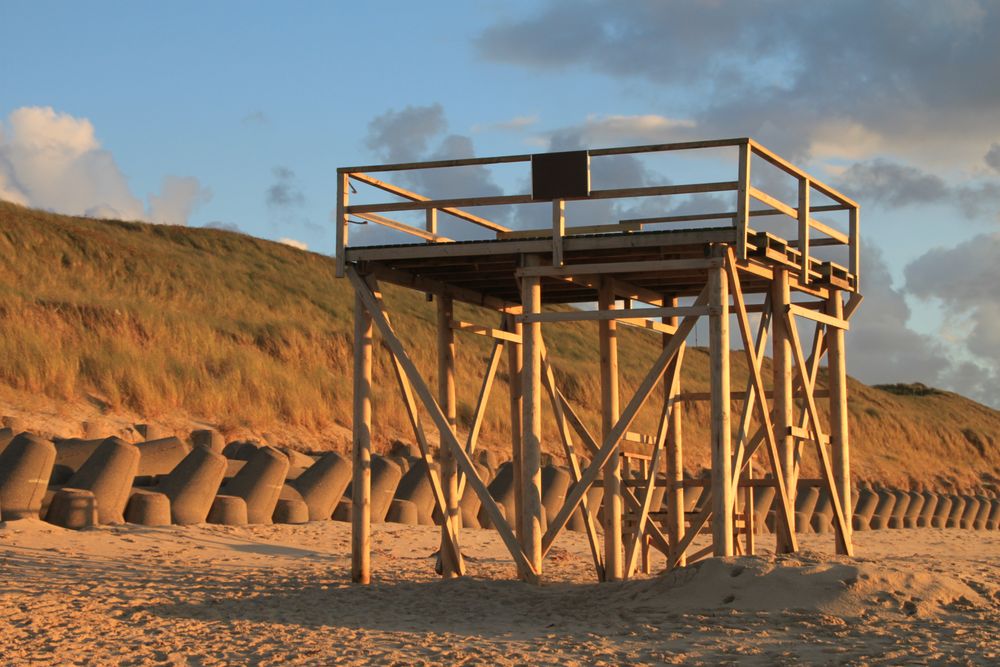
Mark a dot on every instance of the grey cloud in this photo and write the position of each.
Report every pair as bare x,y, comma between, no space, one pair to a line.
225,226
255,118
284,193
404,135
992,157
896,185
178,198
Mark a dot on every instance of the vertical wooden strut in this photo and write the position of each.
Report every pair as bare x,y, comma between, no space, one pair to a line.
531,424
514,368
839,436
449,469
783,403
675,458
361,446
608,331
722,456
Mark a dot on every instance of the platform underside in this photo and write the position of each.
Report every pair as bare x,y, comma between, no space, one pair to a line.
489,267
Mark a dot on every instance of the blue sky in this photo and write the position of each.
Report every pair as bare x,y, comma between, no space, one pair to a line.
238,114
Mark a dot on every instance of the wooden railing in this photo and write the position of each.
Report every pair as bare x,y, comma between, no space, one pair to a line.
746,195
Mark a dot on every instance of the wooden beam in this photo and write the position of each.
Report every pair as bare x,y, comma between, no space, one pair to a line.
434,410
515,366
424,284
675,453
803,240
451,561
816,316
403,227
613,566
361,448
619,267
721,446
481,402
531,421
611,315
792,170
483,330
558,230
839,431
742,218
571,231
343,192
783,403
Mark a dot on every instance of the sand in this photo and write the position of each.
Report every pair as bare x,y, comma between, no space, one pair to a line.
210,595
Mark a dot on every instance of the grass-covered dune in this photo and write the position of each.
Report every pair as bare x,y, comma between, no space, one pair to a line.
162,323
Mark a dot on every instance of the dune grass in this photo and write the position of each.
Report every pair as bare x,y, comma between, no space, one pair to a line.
247,333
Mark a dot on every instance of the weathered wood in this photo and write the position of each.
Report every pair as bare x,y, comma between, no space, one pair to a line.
815,316
611,315
608,335
531,420
558,230
619,267
403,227
571,231
791,169
440,420
361,446
803,240
782,381
451,561
742,218
721,447
839,432
492,364
343,193
483,330
675,454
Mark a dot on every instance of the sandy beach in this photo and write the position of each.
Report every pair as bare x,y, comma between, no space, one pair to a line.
212,595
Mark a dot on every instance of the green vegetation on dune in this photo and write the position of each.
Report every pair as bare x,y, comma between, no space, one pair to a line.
242,332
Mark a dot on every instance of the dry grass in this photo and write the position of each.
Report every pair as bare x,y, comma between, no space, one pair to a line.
246,333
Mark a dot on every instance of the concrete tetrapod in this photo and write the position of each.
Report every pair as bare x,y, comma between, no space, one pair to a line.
208,438
595,495
913,509
942,511
979,523
805,503
290,510
864,509
927,510
109,473
73,508
192,485
971,511
385,479
148,508
763,499
899,509
886,501
822,518
957,510
416,488
555,484
993,521
25,468
402,511
73,452
470,503
159,457
322,484
228,511
502,491
259,483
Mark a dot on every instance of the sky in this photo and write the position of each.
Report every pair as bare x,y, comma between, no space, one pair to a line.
237,115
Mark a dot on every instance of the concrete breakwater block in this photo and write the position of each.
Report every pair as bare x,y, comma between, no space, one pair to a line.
913,509
470,503
942,511
322,484
993,520
73,508
595,495
6,435
148,508
159,457
555,484
971,510
109,474
259,483
883,511
415,487
385,479
233,466
864,509
502,491
25,467
957,510
899,509
242,450
192,485
290,510
979,522
296,459
152,432
805,503
342,512
927,509
73,452
228,511
208,438
763,500
402,511
822,518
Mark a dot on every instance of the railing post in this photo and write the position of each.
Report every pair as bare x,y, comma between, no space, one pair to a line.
804,187
743,200
558,230
855,245
343,192
431,224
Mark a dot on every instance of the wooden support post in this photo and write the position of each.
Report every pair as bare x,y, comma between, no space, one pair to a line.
608,332
446,399
343,192
675,457
558,230
361,446
531,421
803,214
742,219
783,401
722,455
839,436
514,369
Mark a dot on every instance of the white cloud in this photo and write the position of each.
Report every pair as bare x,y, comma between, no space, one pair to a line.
294,243
54,161
514,124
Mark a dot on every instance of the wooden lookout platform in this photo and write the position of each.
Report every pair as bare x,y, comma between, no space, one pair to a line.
763,265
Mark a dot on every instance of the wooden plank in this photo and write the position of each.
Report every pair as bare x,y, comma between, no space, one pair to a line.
742,219
361,447
531,422
721,433
483,330
675,453
613,566
619,267
343,192
451,561
515,366
791,169
445,205
834,234
854,233
431,220
839,431
676,146
571,231
643,323
480,411
816,316
611,315
782,381
432,286
403,227
558,230
434,410
773,202
803,240
662,190
610,443
434,164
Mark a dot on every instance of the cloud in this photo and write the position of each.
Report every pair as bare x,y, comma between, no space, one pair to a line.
284,193
598,131
514,124
256,118
293,243
54,161
962,280
892,184
225,226
404,135
850,78
992,157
